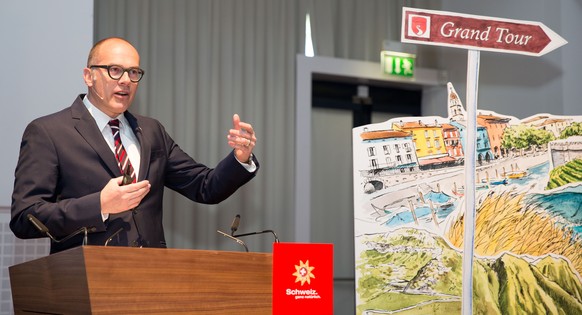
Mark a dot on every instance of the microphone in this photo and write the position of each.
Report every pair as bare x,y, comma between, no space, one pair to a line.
234,239
237,221
44,230
95,91
235,224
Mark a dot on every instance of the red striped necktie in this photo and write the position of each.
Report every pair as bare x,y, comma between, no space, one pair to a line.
120,153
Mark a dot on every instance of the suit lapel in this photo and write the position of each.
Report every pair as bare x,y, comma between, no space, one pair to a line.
86,126
145,151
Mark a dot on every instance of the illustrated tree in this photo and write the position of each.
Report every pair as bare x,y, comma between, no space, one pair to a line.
523,138
575,129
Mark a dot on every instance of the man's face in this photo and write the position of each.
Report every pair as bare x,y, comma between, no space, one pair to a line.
112,97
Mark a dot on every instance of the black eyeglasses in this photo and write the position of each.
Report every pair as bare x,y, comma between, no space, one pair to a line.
116,72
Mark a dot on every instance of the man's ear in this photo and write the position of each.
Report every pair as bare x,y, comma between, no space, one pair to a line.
88,77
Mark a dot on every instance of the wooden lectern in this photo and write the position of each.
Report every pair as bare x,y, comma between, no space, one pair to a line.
122,280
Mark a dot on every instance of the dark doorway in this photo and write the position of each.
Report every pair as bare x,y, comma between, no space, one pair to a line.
346,94
337,106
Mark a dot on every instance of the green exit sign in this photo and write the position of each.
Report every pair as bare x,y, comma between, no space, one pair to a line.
396,63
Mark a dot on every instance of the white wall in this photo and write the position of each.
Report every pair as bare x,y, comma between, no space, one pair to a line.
44,49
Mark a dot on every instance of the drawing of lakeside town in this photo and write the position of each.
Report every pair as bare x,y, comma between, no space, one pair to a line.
409,207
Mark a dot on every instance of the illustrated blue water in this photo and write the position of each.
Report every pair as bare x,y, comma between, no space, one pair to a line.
405,216
566,204
438,197
443,205
534,173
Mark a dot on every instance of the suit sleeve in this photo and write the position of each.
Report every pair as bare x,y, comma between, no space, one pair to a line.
36,190
199,182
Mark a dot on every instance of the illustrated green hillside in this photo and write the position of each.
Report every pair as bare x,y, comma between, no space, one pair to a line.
412,271
568,173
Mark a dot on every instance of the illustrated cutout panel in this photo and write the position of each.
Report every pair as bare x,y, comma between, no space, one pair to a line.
409,185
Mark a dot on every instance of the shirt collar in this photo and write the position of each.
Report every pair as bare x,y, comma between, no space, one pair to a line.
100,117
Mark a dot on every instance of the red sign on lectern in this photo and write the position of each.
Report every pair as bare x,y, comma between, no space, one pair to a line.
476,32
302,279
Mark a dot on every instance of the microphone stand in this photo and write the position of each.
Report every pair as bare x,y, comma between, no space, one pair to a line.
234,228
259,232
112,236
234,239
44,230
81,229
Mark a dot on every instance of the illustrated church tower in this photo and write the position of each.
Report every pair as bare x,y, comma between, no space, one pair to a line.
456,109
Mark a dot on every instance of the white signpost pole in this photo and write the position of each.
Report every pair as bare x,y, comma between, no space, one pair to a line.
470,168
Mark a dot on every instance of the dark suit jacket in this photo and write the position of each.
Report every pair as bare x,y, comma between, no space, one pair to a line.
65,162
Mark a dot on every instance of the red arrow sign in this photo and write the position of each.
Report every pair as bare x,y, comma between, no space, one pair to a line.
477,32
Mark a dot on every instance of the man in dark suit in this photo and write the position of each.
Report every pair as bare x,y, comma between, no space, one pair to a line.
69,172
